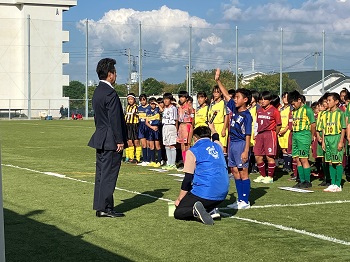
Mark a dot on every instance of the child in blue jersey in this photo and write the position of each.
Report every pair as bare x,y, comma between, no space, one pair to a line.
153,134
239,144
143,109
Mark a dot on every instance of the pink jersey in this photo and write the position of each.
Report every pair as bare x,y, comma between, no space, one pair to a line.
268,118
185,113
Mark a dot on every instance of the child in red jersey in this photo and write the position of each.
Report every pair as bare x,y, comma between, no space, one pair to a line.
269,125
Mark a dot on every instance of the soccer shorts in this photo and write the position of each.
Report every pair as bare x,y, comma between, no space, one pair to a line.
266,144
332,154
169,135
153,135
301,144
143,129
218,128
185,129
132,131
236,149
283,140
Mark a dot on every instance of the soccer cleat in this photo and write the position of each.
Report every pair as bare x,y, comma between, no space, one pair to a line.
337,189
156,164
330,188
323,183
151,164
135,161
243,205
297,185
200,213
180,169
169,167
259,179
268,180
233,205
305,184
215,214
126,160
144,163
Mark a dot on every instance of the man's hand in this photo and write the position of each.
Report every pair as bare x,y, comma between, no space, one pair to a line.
340,145
217,74
120,147
177,202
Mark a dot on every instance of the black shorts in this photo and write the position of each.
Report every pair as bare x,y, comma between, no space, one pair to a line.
132,131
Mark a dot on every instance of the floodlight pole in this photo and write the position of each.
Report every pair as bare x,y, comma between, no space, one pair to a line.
87,70
323,58
189,63
236,57
140,58
29,73
281,62
2,231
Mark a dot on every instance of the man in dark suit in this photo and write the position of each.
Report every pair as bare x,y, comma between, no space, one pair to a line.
109,138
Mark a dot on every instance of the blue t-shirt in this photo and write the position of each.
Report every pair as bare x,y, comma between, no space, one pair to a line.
240,123
210,179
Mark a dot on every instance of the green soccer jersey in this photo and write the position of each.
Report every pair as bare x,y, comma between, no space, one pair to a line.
333,122
347,111
303,117
319,121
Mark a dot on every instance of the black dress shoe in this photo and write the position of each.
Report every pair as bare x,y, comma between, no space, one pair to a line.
110,213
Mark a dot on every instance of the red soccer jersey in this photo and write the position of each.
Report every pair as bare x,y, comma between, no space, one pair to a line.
268,118
290,120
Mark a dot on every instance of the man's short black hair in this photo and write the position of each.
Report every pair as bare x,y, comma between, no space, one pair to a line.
246,94
151,99
231,92
105,66
294,96
266,95
202,132
324,97
159,100
335,96
314,104
168,96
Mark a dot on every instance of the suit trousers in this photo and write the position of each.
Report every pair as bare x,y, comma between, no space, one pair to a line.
107,169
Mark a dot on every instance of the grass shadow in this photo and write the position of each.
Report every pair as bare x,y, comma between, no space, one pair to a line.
29,240
139,200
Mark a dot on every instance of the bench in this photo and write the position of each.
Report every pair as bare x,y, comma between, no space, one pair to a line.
8,111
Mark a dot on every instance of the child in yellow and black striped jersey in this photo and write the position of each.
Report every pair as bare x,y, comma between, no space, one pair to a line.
132,125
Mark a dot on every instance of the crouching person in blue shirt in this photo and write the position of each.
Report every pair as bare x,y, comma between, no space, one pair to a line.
206,182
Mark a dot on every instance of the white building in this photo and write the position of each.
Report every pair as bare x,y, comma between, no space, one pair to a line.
31,57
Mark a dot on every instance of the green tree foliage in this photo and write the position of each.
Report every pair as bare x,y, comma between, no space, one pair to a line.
76,93
152,87
272,83
204,80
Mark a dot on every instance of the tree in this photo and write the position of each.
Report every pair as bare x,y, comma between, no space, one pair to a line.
76,93
272,83
152,87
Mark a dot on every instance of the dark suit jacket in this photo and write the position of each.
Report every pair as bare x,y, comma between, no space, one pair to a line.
109,119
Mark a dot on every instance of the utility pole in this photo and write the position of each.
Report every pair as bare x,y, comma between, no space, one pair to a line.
129,61
316,54
187,76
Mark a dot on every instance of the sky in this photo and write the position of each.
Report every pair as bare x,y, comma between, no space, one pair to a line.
113,29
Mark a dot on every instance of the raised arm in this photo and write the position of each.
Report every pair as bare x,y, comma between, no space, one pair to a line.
221,86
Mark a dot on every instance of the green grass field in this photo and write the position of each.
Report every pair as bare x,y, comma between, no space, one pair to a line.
49,217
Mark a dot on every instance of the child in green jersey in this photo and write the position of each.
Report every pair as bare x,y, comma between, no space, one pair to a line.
303,131
334,126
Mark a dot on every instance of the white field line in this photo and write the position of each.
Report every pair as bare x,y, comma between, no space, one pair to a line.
84,181
303,232
298,205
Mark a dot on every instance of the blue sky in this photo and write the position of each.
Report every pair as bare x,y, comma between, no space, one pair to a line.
113,28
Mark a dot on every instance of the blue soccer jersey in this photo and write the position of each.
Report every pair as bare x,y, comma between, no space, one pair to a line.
240,123
153,117
143,111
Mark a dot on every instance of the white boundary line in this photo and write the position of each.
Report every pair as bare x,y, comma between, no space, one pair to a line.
297,205
303,232
84,181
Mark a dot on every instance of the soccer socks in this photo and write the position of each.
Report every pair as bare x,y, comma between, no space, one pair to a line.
271,169
183,156
261,167
131,154
173,155
285,160
138,153
333,172
307,174
144,154
326,171
339,175
239,189
151,155
301,174
168,155
245,184
127,153
159,155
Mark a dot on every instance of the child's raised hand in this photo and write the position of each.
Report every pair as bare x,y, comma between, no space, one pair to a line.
217,74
